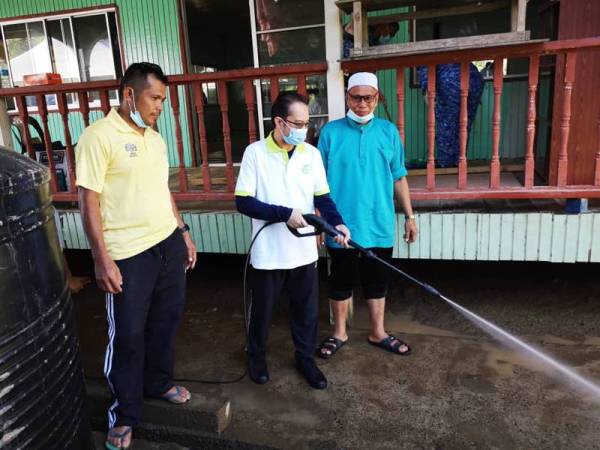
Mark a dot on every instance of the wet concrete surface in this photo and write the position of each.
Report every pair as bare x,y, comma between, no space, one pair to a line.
460,389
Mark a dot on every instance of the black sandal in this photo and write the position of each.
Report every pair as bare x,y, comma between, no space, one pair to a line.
392,344
332,345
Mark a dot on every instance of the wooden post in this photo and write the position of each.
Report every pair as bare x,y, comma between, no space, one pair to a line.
534,68
5,137
565,118
24,116
431,82
360,27
301,83
463,132
63,109
251,106
104,102
517,15
224,106
174,99
199,103
274,88
400,100
597,166
495,161
43,111
84,107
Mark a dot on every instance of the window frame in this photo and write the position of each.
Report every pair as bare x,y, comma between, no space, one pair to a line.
69,15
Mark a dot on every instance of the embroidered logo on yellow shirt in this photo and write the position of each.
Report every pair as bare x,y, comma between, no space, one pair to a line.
131,149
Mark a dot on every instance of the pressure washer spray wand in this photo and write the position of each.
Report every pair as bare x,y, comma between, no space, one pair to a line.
322,226
589,386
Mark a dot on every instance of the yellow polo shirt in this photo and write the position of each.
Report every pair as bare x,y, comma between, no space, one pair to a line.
131,174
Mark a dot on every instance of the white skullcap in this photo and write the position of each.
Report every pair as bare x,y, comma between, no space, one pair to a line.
363,79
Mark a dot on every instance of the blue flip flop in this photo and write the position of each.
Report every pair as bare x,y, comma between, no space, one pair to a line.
170,397
115,434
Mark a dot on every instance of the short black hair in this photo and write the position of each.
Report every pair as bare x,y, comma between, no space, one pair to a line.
136,76
283,102
395,26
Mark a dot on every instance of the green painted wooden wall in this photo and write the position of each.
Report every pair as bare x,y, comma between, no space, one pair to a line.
149,31
476,236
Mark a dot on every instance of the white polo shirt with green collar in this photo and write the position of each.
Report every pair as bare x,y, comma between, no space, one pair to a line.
269,175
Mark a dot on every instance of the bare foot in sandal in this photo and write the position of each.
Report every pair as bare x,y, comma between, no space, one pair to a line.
391,344
177,395
330,346
118,438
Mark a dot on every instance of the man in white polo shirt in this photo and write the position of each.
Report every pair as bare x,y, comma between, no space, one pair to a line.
281,178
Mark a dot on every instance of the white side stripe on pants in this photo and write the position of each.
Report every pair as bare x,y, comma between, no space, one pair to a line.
112,417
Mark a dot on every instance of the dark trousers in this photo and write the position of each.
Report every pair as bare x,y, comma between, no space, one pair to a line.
301,284
142,322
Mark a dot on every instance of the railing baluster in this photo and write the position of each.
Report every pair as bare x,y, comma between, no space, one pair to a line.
597,166
199,103
274,88
84,107
43,112
565,119
301,81
174,99
400,101
463,133
224,106
24,116
431,82
534,67
251,106
496,118
63,109
104,102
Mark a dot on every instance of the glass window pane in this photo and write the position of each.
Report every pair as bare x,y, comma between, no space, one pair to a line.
274,14
284,47
64,58
93,48
27,50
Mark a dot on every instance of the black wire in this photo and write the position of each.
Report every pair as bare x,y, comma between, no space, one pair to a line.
246,320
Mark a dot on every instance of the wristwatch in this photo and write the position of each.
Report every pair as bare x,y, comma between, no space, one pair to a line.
184,229
409,216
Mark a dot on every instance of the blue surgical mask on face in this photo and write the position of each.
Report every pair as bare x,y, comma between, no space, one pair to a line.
135,116
297,135
359,119
384,39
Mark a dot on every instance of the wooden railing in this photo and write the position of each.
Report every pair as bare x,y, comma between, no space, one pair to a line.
566,52
208,188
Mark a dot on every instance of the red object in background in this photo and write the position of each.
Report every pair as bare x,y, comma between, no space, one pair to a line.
41,78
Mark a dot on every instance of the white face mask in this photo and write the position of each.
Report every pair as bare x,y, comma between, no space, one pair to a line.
359,119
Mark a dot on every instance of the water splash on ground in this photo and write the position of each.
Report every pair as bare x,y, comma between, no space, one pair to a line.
580,381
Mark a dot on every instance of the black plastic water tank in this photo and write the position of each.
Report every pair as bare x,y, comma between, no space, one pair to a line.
41,380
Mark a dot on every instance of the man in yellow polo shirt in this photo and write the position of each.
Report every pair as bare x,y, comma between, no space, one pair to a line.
140,245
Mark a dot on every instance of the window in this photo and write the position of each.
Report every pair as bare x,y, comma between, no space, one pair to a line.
290,32
80,47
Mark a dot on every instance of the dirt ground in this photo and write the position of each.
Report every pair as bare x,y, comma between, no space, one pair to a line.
460,389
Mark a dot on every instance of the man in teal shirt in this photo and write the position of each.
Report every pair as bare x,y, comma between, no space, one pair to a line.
364,160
